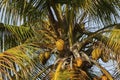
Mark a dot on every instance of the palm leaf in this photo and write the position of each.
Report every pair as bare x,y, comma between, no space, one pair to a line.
20,63
103,70
32,10
14,35
114,39
15,57
21,10
95,9
60,19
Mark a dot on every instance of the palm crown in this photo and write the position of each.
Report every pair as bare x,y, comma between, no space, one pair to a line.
76,33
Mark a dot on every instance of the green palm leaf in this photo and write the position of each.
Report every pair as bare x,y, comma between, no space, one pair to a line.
14,35
21,10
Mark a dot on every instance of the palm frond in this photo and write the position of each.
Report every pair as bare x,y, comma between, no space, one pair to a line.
17,12
116,74
14,35
49,21
114,43
98,11
14,60
114,40
22,62
103,70
67,71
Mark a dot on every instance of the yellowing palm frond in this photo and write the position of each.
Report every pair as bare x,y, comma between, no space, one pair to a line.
57,72
114,40
17,62
73,73
96,53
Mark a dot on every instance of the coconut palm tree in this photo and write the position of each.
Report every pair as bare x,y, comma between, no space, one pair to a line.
58,39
